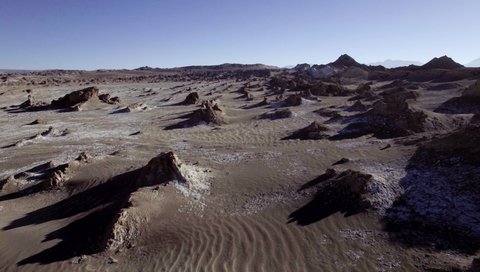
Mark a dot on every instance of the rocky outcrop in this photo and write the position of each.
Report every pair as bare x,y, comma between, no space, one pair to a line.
106,98
161,169
75,98
191,99
209,113
389,117
314,131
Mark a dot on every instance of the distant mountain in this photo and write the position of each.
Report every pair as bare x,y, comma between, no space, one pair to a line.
345,60
14,71
395,63
443,62
474,63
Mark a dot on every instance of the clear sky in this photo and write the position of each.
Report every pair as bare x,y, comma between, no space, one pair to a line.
91,34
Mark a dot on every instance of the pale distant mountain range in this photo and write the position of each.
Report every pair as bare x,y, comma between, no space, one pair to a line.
396,63
474,63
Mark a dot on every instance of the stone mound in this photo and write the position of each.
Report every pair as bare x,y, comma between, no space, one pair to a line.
209,113
161,169
314,131
191,99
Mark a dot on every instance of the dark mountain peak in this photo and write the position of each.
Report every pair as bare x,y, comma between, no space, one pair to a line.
443,62
345,60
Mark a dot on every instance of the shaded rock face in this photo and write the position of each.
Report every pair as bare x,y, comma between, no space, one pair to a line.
469,102
364,87
191,99
293,100
75,98
314,131
357,106
475,120
348,192
163,168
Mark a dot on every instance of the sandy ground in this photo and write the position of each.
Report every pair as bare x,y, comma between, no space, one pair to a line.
234,216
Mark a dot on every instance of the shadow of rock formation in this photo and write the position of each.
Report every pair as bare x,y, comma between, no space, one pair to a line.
344,192
440,206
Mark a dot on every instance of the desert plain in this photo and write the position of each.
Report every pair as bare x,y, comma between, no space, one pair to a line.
335,167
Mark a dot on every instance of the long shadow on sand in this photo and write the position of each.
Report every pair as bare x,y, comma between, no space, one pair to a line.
326,201
88,234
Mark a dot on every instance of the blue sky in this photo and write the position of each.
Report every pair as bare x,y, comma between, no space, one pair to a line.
91,34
